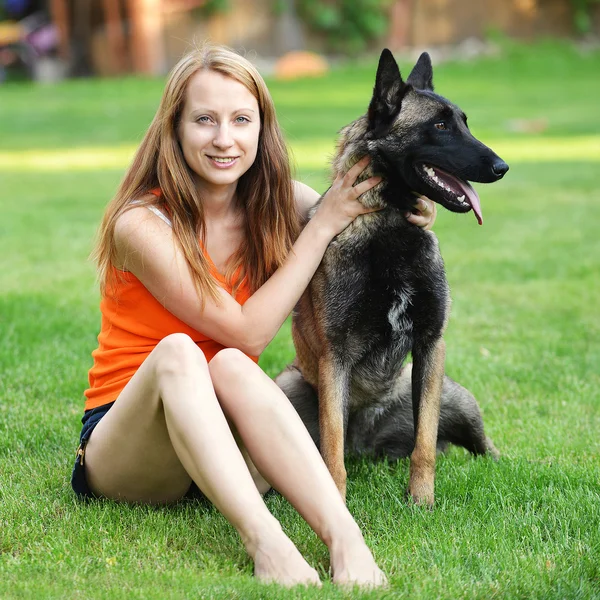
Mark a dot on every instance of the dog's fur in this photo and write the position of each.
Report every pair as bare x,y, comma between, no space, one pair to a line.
381,291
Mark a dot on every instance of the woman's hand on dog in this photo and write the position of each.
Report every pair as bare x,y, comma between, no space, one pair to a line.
340,204
423,214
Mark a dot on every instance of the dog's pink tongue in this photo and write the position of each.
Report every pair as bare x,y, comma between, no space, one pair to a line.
473,199
460,185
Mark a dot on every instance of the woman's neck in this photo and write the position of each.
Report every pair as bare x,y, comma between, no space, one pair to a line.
219,202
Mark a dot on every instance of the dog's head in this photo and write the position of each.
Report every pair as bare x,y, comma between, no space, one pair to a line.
421,142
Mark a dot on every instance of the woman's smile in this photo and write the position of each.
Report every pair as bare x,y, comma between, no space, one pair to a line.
223,162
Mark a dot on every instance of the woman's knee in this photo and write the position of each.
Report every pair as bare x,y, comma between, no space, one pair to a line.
240,382
231,363
177,354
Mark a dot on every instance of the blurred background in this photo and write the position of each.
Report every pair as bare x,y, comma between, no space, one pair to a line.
53,39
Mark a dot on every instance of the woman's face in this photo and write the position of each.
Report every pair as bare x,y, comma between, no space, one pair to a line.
219,129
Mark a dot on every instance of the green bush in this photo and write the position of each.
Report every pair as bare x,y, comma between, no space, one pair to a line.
349,25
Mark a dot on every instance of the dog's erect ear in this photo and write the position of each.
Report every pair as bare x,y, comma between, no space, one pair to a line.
387,94
421,77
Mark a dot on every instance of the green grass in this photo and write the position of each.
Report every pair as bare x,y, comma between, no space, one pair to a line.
524,336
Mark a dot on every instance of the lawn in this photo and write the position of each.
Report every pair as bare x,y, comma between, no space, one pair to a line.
524,336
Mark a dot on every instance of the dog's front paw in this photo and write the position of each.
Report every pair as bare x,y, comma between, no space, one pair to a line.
340,482
422,478
421,491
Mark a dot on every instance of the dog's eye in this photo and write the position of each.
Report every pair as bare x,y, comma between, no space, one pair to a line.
441,125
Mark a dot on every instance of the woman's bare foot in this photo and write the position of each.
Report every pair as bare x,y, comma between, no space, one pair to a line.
277,560
353,564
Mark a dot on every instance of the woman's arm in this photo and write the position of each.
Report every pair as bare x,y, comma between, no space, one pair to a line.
146,247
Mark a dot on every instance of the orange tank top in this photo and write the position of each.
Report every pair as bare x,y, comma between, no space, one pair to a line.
133,322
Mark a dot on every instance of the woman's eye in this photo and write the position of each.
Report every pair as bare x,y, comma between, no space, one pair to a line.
203,119
441,125
242,120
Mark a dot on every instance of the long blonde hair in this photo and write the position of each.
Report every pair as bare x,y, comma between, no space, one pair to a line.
265,191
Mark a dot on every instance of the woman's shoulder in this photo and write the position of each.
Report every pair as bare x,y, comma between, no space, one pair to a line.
305,198
142,223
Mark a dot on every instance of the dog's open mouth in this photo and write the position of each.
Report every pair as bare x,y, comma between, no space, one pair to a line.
458,194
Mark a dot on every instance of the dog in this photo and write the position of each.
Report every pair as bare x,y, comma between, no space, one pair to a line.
381,291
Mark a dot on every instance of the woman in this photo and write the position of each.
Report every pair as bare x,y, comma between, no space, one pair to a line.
200,261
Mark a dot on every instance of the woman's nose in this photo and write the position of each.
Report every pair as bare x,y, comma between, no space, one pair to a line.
223,138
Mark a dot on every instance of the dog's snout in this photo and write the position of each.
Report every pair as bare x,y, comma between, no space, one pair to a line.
499,168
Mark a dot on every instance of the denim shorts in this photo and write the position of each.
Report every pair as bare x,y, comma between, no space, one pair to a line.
90,419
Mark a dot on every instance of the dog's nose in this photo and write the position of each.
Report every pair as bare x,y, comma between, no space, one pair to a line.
499,168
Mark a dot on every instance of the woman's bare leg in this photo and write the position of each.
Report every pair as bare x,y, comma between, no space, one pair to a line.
284,453
167,428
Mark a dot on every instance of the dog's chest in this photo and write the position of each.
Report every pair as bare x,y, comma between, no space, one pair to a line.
371,280
379,293
365,298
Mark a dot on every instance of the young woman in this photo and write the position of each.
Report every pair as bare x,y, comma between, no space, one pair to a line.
200,261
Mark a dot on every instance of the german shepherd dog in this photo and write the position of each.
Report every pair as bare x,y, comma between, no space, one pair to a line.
381,291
